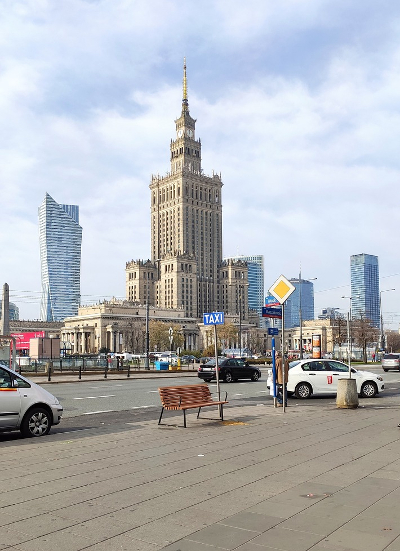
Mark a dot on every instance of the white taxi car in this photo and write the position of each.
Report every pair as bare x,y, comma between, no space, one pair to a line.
307,377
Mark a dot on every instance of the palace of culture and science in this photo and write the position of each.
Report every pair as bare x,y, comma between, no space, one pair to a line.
186,275
186,269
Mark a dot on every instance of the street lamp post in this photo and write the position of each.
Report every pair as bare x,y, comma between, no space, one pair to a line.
147,362
382,336
349,335
301,313
240,321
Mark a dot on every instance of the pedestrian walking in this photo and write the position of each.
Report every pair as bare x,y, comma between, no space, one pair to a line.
281,363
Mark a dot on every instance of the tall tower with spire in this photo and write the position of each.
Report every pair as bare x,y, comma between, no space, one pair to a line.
186,268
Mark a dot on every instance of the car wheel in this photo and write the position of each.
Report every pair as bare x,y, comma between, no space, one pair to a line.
228,377
37,422
368,390
207,380
303,391
255,376
385,370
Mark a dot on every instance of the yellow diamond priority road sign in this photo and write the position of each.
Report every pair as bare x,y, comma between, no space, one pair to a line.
281,289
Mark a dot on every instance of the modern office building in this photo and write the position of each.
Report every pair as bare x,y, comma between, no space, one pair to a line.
255,266
364,275
186,269
60,237
304,292
13,311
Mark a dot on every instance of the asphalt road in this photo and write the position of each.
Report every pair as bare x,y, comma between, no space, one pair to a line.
95,398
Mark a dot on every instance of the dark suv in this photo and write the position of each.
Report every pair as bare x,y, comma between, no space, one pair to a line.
230,370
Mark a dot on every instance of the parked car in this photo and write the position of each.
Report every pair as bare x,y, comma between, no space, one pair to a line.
188,358
26,406
307,377
230,370
391,361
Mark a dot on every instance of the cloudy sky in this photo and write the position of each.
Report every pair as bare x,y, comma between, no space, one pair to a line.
297,105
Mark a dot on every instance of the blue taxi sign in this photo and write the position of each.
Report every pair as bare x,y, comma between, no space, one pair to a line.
214,318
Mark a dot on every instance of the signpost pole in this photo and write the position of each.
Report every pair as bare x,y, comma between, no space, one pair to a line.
273,370
216,364
283,359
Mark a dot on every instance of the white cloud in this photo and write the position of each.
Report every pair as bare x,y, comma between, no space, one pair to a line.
88,97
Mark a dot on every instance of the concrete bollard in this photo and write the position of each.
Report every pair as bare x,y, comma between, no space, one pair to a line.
347,396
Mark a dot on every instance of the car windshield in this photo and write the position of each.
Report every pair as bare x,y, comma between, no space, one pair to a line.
391,357
294,363
211,361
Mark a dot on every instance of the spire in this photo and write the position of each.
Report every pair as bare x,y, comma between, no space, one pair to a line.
185,103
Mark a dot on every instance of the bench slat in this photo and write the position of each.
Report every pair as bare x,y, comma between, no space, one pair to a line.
185,397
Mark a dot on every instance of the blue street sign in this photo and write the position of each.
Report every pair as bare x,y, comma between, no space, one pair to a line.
270,312
273,331
270,300
215,318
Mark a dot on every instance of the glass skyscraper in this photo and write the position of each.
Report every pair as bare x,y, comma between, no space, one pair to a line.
292,305
364,274
60,237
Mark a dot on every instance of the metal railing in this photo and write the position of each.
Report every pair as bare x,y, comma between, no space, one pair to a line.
84,364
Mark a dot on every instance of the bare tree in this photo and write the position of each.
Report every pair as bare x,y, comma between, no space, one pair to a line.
226,335
159,335
255,341
363,334
133,335
339,329
392,341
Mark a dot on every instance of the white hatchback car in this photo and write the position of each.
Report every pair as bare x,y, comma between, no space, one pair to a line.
307,377
25,405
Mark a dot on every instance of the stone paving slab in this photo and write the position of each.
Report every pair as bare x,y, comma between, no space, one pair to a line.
309,479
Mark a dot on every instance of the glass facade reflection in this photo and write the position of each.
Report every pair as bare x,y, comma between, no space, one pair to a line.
292,305
60,237
364,274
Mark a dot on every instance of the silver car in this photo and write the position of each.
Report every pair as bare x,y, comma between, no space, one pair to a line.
391,361
25,405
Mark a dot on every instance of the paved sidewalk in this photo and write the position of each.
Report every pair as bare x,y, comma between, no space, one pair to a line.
315,478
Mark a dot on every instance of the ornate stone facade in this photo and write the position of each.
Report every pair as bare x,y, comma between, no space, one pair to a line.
186,270
119,325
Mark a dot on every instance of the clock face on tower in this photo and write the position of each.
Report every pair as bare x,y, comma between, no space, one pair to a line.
189,133
180,133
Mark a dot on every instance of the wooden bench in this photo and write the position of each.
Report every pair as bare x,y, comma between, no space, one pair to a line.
188,397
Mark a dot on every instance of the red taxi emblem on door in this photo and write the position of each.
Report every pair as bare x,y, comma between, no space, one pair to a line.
329,377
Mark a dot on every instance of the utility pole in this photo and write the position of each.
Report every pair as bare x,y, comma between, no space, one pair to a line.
147,361
5,311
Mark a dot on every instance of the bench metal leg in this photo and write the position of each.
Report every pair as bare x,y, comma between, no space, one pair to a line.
198,413
222,412
162,411
184,418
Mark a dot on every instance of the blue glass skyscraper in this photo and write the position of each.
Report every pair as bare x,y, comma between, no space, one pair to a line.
364,274
60,237
292,305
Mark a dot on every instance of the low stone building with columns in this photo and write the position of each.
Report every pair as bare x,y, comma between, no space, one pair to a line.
326,328
119,326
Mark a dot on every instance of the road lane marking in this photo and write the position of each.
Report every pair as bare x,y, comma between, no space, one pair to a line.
94,397
94,412
150,391
142,407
